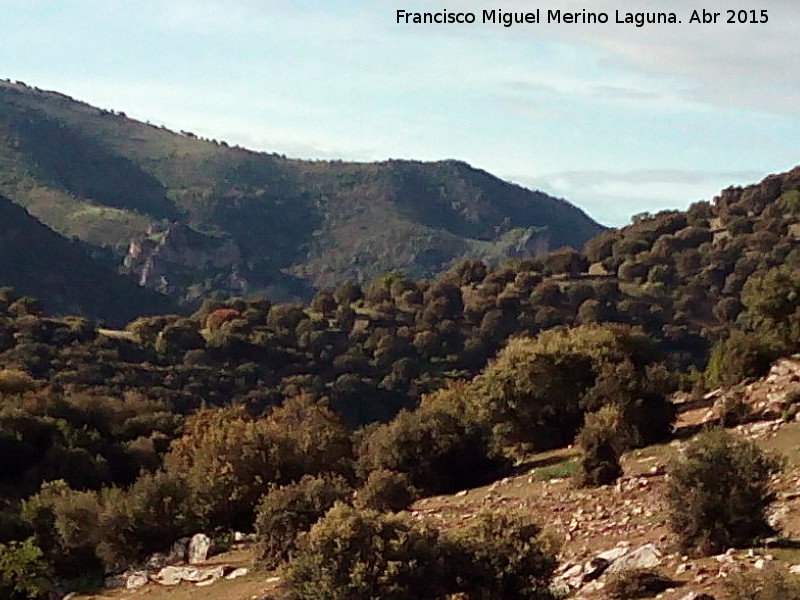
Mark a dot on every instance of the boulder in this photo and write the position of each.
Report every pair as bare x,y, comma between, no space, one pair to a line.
644,557
136,579
199,547
157,561
173,575
211,576
614,553
178,550
236,573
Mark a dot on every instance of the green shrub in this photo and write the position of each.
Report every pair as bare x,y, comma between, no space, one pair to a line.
386,491
770,584
740,356
23,572
65,526
501,555
285,512
601,444
229,459
562,470
637,583
359,554
719,492
734,410
440,451
145,518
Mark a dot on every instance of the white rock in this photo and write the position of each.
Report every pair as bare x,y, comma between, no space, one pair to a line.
644,557
136,580
794,569
199,547
211,576
173,575
240,572
614,553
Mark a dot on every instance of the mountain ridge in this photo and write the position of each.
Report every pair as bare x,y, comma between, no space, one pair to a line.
297,225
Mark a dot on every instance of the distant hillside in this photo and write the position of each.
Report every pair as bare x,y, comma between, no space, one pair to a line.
38,262
206,218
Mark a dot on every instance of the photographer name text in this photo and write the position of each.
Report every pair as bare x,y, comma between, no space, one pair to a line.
544,16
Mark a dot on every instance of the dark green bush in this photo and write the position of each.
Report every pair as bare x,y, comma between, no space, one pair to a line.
440,451
24,575
65,526
386,491
734,410
145,518
499,556
286,512
637,583
601,444
359,554
742,355
718,494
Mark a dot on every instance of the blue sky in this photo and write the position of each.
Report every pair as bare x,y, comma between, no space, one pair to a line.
614,118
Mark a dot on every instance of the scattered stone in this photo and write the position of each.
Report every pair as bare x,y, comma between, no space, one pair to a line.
644,557
240,572
794,569
211,576
614,553
157,561
136,579
461,494
198,549
173,575
238,536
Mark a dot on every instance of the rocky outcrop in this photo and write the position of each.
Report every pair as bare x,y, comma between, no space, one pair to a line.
772,397
615,560
171,568
172,259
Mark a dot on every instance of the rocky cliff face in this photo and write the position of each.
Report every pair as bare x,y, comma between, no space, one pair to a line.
169,259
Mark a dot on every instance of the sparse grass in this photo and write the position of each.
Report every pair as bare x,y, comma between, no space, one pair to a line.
563,470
